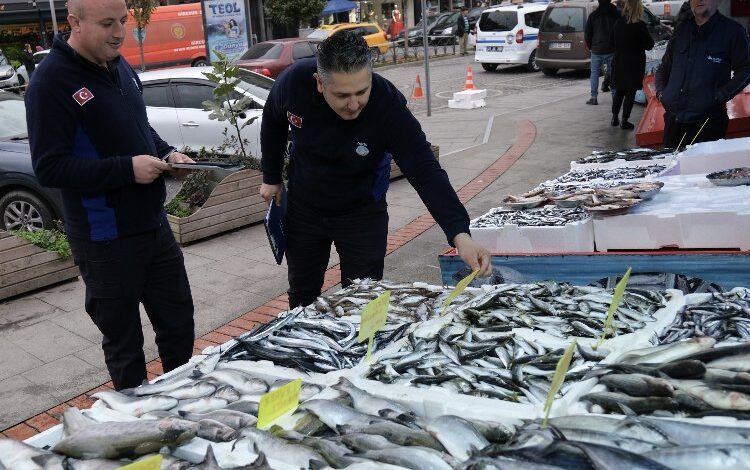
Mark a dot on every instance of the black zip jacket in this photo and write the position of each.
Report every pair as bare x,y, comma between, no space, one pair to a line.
695,76
338,166
85,123
599,28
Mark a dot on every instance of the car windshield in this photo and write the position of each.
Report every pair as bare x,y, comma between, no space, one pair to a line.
12,116
320,34
257,85
498,20
564,20
263,50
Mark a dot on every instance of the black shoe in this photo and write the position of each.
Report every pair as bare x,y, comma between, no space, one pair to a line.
615,121
592,100
626,125
605,88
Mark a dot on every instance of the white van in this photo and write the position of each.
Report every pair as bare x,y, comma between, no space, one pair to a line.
508,35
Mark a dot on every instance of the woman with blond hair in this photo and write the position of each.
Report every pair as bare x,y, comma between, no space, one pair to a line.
631,40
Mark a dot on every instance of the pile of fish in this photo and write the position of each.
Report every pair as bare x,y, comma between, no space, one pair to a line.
583,442
606,199
533,198
619,174
547,216
408,303
606,156
310,341
560,310
481,362
687,378
722,316
730,177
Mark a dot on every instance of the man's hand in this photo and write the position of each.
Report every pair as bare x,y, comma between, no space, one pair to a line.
147,168
177,157
271,191
473,254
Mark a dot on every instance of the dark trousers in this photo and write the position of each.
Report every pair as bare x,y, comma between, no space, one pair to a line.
119,275
360,238
624,100
676,132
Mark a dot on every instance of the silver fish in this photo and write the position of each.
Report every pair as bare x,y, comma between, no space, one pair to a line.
135,406
457,435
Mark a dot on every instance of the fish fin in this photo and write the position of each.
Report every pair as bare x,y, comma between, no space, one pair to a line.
260,462
626,410
210,459
44,459
317,465
557,433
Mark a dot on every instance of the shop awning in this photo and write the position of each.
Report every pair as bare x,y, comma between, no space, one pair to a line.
338,6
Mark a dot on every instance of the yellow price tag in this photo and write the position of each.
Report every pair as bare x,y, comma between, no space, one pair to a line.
374,316
460,288
557,380
151,463
278,402
616,300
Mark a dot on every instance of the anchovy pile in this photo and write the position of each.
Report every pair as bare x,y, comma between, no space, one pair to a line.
619,174
560,310
606,156
311,342
409,302
548,216
687,378
723,316
481,362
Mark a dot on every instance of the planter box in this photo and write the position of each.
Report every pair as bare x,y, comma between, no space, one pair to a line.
396,171
233,203
25,267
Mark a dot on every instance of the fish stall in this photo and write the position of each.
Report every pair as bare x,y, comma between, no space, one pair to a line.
456,380
686,213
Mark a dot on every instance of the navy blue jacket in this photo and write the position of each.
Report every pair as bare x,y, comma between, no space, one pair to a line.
337,166
85,125
694,77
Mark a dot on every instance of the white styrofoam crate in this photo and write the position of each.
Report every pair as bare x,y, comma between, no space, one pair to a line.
619,163
576,237
707,157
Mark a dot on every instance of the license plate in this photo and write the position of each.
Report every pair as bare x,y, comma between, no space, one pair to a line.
494,48
559,45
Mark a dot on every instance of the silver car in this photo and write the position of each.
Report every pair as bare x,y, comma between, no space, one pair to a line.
8,76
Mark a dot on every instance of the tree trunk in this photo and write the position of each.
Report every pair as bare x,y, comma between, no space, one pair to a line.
140,47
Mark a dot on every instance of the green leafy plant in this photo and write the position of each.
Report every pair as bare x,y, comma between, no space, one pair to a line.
50,240
141,11
194,192
294,11
225,106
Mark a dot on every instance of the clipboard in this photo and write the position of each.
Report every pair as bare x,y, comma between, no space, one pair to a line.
221,170
274,224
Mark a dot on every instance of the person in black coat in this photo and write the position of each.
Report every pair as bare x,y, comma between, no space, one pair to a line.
631,40
27,57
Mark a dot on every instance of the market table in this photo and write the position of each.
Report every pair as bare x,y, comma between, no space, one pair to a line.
650,129
727,268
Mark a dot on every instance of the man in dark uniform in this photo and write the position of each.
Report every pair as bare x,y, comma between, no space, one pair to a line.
694,81
90,136
346,122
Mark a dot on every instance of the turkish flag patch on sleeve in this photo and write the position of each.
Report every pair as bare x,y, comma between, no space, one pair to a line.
296,121
83,96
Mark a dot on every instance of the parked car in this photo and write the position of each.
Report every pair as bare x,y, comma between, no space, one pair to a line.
665,10
270,58
561,35
441,32
508,35
24,203
473,17
373,34
8,75
414,34
23,75
174,100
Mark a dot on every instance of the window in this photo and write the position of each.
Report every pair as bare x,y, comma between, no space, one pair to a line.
533,20
263,50
39,56
371,30
564,20
157,96
12,116
192,95
498,21
302,50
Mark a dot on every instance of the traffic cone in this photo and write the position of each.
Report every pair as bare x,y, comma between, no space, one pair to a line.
417,94
469,79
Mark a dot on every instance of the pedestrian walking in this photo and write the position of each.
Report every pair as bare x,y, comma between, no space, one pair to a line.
705,65
462,30
630,40
345,123
91,138
27,58
598,38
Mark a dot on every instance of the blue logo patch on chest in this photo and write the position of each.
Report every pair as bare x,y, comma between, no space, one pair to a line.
715,60
362,149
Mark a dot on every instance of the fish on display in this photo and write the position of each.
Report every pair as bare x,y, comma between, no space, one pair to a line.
634,154
547,216
617,174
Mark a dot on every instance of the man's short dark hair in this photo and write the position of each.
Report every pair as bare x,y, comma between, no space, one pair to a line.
343,52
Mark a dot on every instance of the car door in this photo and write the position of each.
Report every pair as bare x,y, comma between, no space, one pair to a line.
302,50
162,115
